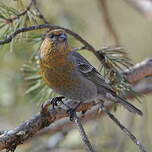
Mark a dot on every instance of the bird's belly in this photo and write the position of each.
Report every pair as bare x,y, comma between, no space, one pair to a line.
83,90
71,85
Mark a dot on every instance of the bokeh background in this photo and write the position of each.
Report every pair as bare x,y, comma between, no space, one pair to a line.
86,18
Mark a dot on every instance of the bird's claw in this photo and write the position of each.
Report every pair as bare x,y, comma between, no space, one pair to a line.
83,113
54,102
71,112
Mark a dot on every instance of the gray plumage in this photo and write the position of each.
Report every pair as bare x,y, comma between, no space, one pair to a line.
92,85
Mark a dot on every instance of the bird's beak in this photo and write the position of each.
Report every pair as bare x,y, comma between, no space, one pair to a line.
63,37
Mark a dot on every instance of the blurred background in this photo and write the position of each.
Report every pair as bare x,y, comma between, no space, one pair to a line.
132,29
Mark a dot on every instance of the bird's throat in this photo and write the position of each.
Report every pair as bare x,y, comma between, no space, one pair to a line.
56,71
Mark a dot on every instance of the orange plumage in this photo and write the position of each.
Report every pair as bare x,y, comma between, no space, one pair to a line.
54,64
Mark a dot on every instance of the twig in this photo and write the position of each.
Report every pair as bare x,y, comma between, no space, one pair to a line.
10,20
51,26
83,134
124,129
139,71
34,3
130,123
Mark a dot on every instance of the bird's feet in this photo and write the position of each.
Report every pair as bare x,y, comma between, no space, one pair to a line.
54,102
83,113
72,111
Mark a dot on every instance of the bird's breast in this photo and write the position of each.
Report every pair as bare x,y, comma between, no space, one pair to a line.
57,73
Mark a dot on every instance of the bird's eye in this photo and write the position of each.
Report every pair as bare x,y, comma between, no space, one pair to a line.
51,36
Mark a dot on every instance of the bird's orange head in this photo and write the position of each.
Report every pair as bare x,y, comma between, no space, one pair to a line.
58,38
55,43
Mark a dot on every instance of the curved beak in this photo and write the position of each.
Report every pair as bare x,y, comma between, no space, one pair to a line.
63,37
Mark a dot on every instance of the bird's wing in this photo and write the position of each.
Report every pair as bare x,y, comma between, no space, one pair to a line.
86,69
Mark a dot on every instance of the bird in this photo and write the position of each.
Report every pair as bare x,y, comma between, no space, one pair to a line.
71,75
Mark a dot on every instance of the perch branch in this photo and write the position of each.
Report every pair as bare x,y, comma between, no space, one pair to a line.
85,139
10,139
51,26
124,129
65,124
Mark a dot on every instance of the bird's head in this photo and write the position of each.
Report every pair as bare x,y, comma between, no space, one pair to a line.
58,40
54,44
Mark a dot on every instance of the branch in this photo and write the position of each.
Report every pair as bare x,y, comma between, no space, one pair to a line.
65,124
85,139
124,129
139,71
87,45
34,3
10,139
10,20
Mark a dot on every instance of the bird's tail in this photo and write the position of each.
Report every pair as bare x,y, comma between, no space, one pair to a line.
111,95
129,106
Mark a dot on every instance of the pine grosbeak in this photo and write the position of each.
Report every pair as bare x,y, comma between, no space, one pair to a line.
71,75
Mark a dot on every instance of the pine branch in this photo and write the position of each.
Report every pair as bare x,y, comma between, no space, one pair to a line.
124,129
11,19
83,134
12,138
87,45
34,3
